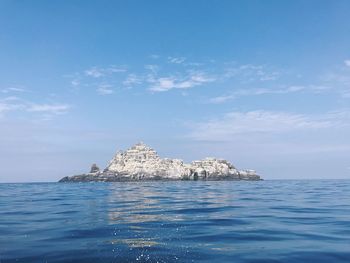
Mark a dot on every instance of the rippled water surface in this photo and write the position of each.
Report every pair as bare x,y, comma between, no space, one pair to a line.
267,221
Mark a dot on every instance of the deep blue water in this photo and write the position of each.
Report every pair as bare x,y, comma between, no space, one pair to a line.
267,221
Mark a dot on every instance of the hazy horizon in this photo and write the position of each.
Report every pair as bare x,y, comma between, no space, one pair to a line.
263,84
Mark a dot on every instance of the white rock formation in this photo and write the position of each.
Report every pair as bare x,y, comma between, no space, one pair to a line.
141,162
211,168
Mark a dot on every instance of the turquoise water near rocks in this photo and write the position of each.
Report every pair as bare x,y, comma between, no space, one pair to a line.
264,221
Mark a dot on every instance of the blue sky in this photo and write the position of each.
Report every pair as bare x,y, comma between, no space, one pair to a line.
264,84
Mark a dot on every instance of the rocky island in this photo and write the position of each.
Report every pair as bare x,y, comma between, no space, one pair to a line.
142,163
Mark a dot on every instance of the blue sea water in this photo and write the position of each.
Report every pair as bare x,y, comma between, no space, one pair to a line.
190,221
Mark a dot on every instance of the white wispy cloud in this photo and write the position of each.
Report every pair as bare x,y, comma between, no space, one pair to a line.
249,73
75,82
255,92
265,91
192,79
153,68
154,56
105,89
12,89
133,79
194,64
15,104
48,108
10,98
261,121
97,77
11,103
158,77
176,60
94,72
6,107
347,62
98,72
115,69
222,99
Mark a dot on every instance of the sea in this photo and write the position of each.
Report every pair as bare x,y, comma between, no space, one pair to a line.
185,221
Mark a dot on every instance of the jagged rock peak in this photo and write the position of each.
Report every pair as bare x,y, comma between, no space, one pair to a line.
141,148
135,159
138,151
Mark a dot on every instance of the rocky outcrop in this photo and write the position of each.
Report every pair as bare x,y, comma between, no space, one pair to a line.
141,162
94,168
211,168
